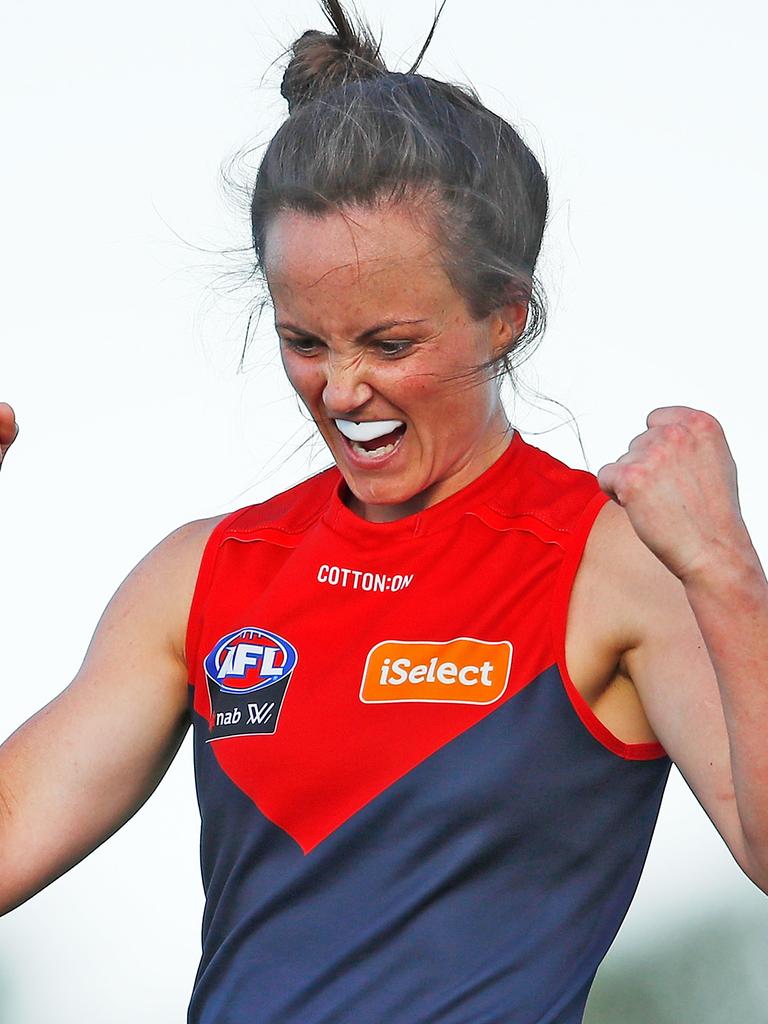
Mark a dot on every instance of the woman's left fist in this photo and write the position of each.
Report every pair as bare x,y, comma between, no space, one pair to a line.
677,483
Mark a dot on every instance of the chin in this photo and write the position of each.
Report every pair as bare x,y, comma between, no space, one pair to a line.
382,494
381,497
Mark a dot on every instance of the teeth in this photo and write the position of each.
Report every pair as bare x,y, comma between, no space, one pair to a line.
376,451
367,431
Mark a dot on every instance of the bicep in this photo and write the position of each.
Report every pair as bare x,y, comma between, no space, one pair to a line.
83,765
666,658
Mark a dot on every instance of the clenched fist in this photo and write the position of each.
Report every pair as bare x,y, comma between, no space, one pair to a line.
9,428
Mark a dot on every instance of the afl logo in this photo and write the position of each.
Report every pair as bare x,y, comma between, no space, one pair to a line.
248,672
249,659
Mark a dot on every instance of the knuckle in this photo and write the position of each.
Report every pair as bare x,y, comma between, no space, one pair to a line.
673,433
632,477
705,423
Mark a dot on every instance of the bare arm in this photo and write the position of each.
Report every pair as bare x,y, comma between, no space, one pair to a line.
79,768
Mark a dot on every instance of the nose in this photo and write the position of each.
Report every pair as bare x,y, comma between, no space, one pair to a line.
346,387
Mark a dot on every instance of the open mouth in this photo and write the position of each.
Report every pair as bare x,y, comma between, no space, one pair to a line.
375,447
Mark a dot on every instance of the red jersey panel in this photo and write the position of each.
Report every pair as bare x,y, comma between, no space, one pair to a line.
408,812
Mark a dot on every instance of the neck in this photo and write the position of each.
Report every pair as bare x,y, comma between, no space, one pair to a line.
467,468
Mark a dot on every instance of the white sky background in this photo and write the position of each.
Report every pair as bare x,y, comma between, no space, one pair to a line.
120,357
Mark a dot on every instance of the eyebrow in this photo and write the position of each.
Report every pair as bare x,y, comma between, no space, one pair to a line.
383,326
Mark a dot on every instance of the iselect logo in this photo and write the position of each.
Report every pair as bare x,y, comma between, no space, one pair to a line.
464,670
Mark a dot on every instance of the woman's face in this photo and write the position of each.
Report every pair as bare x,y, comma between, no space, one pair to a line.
380,347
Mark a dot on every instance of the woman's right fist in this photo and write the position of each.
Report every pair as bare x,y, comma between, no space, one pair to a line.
9,428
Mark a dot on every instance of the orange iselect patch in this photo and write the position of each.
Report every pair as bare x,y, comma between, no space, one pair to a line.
459,671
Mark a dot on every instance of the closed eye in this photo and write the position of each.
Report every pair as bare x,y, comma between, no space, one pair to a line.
393,348
310,346
304,346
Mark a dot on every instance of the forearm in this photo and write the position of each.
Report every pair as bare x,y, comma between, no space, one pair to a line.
730,601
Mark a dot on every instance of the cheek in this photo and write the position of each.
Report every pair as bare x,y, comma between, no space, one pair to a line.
303,375
449,386
452,401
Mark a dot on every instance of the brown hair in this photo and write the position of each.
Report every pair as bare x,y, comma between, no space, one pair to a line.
359,134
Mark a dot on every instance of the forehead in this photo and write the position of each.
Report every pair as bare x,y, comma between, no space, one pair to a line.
368,255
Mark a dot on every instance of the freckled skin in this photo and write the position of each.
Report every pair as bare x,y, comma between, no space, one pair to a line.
334,278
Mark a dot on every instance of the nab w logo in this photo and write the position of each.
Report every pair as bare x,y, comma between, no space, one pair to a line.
260,713
248,661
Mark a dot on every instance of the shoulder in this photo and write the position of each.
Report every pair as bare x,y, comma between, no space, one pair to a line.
542,489
290,511
164,580
172,567
622,582
180,553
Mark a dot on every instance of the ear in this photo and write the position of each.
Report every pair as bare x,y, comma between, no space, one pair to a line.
507,324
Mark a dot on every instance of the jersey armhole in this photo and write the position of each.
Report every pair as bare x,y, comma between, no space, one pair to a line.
564,581
200,592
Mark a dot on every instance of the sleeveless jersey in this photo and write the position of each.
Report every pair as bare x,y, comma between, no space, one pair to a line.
409,813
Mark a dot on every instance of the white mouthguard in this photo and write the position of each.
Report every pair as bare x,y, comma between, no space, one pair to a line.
367,431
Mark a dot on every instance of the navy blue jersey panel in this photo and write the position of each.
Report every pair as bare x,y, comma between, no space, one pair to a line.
482,887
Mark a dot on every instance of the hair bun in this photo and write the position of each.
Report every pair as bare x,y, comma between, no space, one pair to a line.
322,61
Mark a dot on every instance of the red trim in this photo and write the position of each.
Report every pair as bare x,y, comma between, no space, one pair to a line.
202,585
558,620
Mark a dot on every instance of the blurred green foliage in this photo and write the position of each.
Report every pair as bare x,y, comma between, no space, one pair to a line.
712,971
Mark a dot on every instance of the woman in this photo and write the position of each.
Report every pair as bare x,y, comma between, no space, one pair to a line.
436,690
